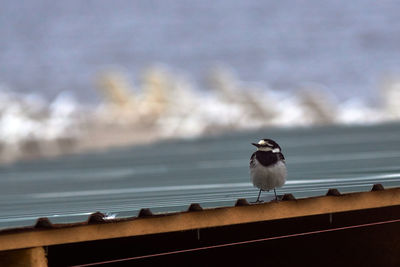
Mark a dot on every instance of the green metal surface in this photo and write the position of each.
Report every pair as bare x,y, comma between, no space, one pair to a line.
170,175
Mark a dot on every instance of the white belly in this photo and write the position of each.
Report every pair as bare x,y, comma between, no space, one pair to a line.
267,178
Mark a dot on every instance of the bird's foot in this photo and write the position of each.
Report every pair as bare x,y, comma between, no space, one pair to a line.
257,201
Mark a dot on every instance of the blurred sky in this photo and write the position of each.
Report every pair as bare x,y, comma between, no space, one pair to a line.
347,46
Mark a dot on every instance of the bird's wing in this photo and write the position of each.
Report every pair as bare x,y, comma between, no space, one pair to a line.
281,157
253,160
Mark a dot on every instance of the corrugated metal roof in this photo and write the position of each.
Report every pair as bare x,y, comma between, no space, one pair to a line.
168,176
98,227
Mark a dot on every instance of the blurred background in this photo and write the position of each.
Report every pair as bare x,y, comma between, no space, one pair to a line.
86,75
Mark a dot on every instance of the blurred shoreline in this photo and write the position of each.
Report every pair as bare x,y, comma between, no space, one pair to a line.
165,105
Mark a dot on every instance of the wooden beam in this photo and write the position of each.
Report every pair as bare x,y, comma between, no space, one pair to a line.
29,257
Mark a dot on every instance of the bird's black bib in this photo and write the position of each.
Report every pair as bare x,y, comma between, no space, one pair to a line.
266,158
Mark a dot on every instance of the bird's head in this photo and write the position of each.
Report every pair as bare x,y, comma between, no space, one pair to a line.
267,145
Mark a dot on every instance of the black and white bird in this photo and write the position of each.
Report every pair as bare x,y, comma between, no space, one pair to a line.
267,166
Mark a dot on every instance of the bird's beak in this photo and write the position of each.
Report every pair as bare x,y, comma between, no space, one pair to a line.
255,144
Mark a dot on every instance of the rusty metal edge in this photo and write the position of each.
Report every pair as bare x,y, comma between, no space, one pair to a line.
186,220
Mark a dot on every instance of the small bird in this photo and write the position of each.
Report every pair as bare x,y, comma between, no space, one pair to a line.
267,166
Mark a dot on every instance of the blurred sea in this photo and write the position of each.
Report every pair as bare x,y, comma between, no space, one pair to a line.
88,74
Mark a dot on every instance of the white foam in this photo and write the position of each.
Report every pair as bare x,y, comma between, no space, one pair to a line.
172,107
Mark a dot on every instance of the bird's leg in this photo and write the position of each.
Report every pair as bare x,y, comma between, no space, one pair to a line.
258,198
276,197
